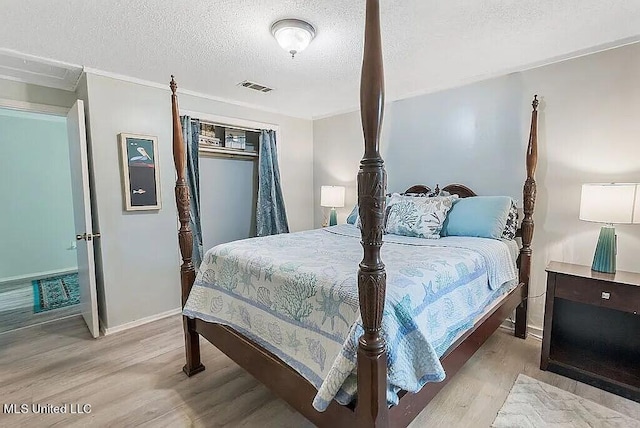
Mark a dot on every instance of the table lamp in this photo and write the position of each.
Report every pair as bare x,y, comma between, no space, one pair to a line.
609,203
332,197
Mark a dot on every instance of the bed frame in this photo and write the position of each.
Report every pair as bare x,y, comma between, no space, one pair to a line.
370,408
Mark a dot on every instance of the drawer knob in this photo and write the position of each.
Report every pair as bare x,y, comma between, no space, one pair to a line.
606,295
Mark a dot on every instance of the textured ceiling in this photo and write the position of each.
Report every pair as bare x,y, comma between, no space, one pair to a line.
211,45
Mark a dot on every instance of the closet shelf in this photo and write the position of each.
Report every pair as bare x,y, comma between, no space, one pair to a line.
227,152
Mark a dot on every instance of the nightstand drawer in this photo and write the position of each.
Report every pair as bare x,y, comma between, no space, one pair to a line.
621,297
600,293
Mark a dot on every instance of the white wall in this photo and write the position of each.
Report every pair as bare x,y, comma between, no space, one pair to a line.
228,196
139,251
36,227
477,135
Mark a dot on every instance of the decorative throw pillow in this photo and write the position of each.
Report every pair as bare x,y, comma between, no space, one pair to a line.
479,216
418,217
354,216
511,227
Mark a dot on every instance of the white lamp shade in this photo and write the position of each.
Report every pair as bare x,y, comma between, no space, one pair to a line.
610,203
332,196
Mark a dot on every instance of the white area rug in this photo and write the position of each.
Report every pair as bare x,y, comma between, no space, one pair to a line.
532,403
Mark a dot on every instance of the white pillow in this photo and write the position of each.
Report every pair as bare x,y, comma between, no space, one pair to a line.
416,216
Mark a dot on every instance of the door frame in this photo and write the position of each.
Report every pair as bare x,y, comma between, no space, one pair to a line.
53,110
34,107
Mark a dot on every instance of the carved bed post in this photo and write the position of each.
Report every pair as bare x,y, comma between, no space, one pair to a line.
529,198
185,237
371,408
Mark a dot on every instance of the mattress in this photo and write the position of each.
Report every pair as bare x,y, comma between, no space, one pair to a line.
296,295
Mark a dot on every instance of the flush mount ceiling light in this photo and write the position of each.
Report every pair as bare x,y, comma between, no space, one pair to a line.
293,35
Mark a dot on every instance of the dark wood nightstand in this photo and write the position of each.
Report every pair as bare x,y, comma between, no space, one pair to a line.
592,327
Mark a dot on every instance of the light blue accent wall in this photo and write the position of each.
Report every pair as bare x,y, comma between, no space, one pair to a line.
474,134
36,220
471,135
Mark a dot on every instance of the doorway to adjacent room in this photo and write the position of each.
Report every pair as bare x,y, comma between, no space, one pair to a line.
43,266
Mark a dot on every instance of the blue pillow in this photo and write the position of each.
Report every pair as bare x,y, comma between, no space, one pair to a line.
479,216
353,217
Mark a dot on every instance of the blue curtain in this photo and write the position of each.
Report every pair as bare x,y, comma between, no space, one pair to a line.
191,134
271,217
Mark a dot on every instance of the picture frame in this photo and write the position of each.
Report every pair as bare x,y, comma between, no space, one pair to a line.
140,172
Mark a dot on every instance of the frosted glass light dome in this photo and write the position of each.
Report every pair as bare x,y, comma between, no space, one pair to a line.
293,35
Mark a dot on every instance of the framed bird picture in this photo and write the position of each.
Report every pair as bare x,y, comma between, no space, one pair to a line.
140,174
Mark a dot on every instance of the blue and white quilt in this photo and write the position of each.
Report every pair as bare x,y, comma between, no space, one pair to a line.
296,295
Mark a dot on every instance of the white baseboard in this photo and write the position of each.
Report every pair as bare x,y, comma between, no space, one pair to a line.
126,326
37,275
533,330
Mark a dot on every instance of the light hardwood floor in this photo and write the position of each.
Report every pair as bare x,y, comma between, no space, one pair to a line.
16,308
18,318
134,378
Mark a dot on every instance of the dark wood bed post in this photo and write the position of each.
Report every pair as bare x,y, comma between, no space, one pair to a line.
185,237
371,408
529,201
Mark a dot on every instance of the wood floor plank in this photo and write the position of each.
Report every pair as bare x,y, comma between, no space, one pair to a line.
134,378
12,317
54,371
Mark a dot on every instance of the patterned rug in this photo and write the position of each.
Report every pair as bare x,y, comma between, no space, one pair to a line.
532,403
55,292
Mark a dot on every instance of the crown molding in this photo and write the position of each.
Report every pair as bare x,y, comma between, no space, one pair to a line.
462,82
481,77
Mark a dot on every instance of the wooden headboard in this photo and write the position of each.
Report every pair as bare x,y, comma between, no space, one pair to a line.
454,189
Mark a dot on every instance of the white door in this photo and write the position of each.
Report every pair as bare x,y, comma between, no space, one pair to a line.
82,215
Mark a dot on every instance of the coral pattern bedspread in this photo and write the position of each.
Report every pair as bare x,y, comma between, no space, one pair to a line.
296,295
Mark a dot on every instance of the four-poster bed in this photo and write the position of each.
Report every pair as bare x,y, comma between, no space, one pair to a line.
370,408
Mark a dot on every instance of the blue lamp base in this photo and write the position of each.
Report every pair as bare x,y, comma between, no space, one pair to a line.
604,260
333,218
